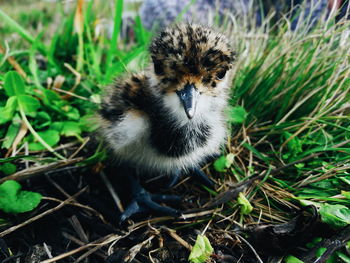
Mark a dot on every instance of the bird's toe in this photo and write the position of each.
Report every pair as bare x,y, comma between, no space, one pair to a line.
168,199
148,203
202,178
133,208
174,179
159,209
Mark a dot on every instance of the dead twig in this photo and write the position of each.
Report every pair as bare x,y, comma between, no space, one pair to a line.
32,171
112,192
21,133
80,243
175,236
74,203
101,242
70,94
77,81
98,243
80,148
136,249
88,253
233,192
251,247
78,228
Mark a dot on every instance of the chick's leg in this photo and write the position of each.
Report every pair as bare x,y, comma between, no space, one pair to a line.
174,179
145,202
196,173
201,177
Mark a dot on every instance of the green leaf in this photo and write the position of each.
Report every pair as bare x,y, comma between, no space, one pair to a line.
30,105
335,215
292,259
246,207
346,194
99,156
14,84
343,257
3,115
6,113
50,96
70,128
256,152
87,124
201,250
57,126
224,162
294,145
220,164
229,159
345,179
8,168
51,137
10,136
320,251
299,165
13,200
71,112
96,98
237,115
43,119
313,242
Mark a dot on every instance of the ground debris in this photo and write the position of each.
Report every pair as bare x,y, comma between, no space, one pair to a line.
331,244
37,254
284,237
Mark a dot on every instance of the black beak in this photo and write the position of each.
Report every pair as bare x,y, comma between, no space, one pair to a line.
189,97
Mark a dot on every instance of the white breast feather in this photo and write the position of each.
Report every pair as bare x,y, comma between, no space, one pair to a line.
130,137
126,132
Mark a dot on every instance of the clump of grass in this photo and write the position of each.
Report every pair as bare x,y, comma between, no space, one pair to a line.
295,86
290,99
64,76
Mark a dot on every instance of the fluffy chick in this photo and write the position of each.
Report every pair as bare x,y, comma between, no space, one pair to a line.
172,116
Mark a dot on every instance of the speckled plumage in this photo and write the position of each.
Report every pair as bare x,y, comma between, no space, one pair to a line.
141,117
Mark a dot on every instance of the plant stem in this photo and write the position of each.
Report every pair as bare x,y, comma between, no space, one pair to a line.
79,27
37,136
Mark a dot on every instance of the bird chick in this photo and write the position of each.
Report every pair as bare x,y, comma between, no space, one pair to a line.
171,117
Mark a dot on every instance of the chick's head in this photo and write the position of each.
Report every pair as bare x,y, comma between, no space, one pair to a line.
191,61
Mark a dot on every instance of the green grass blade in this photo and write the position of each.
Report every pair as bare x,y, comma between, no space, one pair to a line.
20,30
116,30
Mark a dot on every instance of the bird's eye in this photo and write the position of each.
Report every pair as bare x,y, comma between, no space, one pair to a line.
221,75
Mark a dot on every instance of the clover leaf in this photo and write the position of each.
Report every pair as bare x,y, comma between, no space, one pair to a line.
201,250
14,200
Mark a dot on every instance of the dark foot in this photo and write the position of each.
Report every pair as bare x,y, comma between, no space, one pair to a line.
195,173
174,179
145,202
201,177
